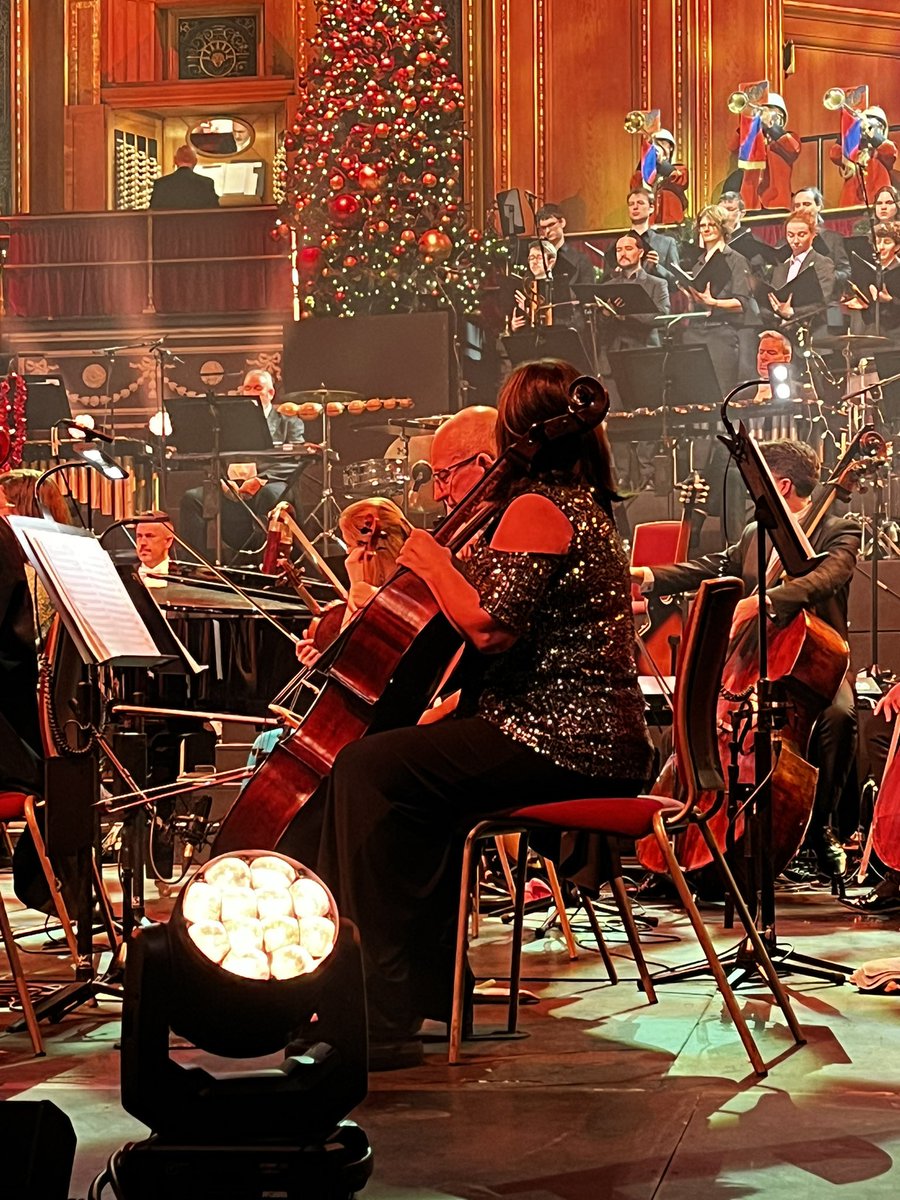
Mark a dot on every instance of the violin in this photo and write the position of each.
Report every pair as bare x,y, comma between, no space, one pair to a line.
384,668
811,658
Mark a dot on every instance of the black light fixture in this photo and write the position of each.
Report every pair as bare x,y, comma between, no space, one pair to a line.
254,962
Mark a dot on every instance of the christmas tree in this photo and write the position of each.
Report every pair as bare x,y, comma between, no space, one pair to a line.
374,167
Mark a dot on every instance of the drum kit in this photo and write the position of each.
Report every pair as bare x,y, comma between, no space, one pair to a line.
388,477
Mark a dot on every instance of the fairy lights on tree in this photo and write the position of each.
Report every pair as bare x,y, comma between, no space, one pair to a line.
373,184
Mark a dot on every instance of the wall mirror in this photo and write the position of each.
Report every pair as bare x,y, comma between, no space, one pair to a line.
221,137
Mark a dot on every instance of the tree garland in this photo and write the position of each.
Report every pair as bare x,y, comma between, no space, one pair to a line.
12,420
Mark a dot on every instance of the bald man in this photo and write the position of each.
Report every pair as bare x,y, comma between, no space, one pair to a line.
184,189
463,449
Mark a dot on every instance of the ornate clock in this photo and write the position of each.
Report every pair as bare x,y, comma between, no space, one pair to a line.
217,47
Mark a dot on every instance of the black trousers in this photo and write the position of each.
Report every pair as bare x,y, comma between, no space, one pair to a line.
239,530
832,748
386,833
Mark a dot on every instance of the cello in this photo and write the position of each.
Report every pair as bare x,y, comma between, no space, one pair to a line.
811,659
385,667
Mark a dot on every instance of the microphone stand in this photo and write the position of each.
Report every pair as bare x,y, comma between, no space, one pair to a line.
879,270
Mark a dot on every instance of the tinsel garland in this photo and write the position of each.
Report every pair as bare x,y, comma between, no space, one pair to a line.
12,420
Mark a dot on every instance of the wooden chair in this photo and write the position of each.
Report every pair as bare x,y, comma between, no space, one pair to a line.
18,806
698,769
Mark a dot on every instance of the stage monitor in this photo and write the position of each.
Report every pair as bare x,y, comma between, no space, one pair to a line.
512,215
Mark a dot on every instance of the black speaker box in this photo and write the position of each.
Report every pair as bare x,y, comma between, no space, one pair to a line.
401,354
37,1148
860,615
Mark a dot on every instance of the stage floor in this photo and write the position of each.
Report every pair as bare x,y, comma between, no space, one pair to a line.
605,1097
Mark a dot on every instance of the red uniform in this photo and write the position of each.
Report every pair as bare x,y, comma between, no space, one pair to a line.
878,173
770,187
669,194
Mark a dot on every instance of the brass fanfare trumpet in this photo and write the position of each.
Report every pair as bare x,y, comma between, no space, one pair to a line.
637,121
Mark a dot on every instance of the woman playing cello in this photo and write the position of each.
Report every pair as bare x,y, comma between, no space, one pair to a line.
544,596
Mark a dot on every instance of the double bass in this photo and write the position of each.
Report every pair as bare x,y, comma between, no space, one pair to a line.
811,659
386,665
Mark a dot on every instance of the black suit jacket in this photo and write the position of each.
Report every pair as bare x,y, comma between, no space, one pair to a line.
184,189
824,269
825,590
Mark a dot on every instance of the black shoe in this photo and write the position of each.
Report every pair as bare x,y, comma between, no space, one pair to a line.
830,853
801,871
873,903
654,888
396,1055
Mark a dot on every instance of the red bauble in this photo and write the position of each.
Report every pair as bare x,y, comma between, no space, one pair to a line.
346,209
336,182
475,235
382,129
429,179
410,104
369,178
309,260
407,236
350,262
435,246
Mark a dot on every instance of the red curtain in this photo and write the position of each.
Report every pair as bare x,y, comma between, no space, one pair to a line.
85,266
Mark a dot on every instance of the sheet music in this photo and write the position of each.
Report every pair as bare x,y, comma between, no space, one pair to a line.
82,574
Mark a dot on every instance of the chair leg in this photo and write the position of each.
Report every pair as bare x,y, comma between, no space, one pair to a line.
503,856
708,948
7,840
515,966
15,963
52,882
761,951
598,937
559,904
623,904
457,1009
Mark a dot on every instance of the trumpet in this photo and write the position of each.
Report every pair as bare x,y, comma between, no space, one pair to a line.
637,121
739,102
835,99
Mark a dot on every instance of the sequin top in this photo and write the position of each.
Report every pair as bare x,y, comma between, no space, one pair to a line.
568,686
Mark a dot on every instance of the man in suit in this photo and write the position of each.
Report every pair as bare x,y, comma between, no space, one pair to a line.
800,235
662,250
260,491
573,266
184,189
639,330
825,591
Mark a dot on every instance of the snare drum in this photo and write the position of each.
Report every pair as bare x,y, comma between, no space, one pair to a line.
375,477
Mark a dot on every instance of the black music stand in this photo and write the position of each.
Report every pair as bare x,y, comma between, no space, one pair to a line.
213,426
46,405
106,630
550,341
776,528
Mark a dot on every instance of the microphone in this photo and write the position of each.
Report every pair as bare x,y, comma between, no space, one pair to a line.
420,474
277,534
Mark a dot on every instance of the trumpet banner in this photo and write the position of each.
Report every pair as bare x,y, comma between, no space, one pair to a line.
752,146
856,100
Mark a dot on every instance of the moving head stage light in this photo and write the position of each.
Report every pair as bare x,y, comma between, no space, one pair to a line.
253,962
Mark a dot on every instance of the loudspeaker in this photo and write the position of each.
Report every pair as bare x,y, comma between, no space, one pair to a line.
859,614
37,1149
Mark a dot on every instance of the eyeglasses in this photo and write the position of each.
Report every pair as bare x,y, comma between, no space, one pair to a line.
548,224
443,475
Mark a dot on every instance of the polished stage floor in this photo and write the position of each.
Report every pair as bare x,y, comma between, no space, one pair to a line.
605,1096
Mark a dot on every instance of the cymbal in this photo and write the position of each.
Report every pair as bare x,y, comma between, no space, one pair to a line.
429,424
853,341
319,396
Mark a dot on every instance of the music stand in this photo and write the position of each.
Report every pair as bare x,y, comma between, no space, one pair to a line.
549,341
217,425
46,404
106,630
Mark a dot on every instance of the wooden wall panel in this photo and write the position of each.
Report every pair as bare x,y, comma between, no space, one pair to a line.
838,47
46,64
589,156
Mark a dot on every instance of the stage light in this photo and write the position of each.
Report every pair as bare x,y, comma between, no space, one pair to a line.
784,381
255,961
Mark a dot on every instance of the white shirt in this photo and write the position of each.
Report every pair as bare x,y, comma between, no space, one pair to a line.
161,568
795,266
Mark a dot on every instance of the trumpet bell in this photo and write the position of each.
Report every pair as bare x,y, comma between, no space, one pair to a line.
634,121
737,102
834,99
